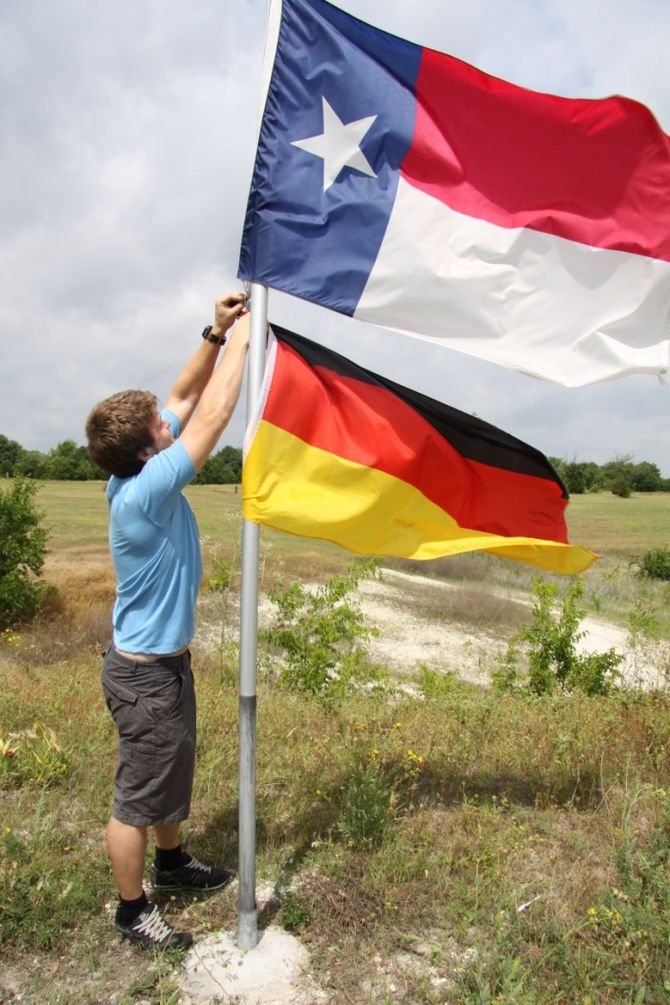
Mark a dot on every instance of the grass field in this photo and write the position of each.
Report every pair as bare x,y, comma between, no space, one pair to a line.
451,847
618,528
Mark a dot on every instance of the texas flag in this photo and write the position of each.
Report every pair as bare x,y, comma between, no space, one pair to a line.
401,186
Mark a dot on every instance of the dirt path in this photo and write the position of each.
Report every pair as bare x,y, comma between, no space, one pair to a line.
407,639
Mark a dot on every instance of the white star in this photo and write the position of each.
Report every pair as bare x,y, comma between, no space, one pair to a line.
338,145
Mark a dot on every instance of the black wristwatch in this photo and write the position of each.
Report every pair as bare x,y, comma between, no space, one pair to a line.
216,339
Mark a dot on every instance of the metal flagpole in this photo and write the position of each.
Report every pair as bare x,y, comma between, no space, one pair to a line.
247,931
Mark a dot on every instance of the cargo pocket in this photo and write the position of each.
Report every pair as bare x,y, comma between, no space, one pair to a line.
127,709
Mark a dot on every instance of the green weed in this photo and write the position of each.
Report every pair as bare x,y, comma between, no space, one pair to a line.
321,635
435,686
368,806
32,757
156,987
551,648
48,886
295,912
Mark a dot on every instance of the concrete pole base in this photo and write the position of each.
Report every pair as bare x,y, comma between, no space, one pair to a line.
247,930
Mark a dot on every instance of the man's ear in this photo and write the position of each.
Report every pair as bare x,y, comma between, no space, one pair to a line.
145,453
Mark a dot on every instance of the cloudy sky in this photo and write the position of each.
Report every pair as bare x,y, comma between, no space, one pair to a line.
128,138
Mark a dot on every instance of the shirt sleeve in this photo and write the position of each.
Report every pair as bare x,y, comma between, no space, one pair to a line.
175,424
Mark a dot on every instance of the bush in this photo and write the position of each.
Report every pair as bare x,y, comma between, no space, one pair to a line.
655,564
551,648
22,552
322,636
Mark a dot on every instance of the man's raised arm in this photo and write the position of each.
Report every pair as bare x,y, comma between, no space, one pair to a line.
218,400
193,379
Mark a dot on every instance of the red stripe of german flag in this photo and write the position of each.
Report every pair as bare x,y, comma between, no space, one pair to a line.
342,454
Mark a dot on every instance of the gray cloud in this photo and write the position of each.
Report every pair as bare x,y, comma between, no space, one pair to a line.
128,142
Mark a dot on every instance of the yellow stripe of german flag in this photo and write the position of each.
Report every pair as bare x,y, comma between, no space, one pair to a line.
296,487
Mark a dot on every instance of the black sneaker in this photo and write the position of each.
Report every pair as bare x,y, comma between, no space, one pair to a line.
151,931
193,875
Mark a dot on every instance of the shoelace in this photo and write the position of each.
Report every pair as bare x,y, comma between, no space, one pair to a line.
154,926
194,864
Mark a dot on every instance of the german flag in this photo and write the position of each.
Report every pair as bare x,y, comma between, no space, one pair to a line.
342,454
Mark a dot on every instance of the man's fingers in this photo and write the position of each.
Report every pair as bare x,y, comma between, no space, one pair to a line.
231,301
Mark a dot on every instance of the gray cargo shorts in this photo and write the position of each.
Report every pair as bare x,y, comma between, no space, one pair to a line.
153,706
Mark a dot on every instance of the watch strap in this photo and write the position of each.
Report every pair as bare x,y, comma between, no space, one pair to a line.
215,339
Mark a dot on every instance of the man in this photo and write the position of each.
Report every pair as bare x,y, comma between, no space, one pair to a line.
147,681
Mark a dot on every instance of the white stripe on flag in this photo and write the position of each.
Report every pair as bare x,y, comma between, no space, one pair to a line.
562,311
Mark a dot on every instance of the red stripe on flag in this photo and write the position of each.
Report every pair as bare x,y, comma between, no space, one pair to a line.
592,171
371,426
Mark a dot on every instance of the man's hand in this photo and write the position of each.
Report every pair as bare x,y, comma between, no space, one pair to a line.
226,310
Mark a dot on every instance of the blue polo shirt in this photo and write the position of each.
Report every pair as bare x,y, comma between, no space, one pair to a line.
155,548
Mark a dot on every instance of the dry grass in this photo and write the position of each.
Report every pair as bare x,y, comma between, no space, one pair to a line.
79,613
623,528
503,799
510,800
473,567
465,604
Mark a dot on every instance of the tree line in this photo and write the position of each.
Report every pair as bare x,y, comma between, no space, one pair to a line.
70,462
621,476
